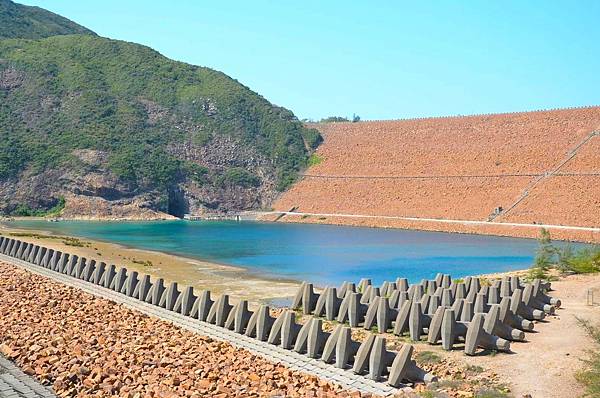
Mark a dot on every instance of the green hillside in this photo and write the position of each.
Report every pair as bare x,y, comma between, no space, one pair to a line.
26,22
95,117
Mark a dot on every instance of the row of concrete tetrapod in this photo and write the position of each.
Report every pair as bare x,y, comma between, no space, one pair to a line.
443,310
369,358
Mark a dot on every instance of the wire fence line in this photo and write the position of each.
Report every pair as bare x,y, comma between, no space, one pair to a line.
450,176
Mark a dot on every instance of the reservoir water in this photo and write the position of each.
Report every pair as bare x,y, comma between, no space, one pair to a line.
324,254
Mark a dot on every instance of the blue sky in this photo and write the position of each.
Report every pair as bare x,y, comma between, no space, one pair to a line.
384,60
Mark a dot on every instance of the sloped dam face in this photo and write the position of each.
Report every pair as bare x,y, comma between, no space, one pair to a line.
323,254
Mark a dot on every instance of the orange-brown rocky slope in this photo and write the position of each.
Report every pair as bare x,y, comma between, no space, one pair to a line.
459,168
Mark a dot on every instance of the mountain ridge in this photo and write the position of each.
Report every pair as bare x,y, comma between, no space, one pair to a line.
119,130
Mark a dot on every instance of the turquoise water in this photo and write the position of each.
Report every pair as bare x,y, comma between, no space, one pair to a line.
323,254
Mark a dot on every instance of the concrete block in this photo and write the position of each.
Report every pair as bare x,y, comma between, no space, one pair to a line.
63,262
447,298
468,310
98,272
185,301
88,271
202,306
81,265
284,330
239,317
351,310
219,311
446,281
493,295
109,275
311,339
401,323
71,265
518,307
494,326
478,337
170,296
434,303
33,254
14,248
362,285
417,321
481,306
431,287
260,324
404,368
40,255
379,359
371,315
297,300
329,348
47,258
156,292
450,329
363,355
328,304
438,280
22,250
130,284
346,287
402,284
434,332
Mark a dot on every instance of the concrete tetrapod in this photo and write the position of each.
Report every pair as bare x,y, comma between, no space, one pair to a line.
373,358
305,298
239,317
219,311
328,304
530,299
340,347
169,297
494,326
401,323
478,337
518,307
260,324
284,330
380,313
185,302
508,317
202,306
352,310
539,295
311,338
404,368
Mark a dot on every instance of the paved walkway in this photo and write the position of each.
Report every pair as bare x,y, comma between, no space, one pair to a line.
16,384
294,361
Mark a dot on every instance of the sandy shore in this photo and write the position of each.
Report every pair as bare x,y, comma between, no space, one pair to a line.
218,278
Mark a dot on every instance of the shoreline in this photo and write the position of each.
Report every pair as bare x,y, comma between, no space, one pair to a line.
236,281
383,222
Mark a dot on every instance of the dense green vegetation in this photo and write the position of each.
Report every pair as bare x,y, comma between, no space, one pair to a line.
334,119
590,375
19,21
314,159
565,259
23,210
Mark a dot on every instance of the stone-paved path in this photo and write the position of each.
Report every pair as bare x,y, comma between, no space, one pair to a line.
291,359
16,384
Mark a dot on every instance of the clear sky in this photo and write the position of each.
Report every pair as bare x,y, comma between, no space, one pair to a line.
381,60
